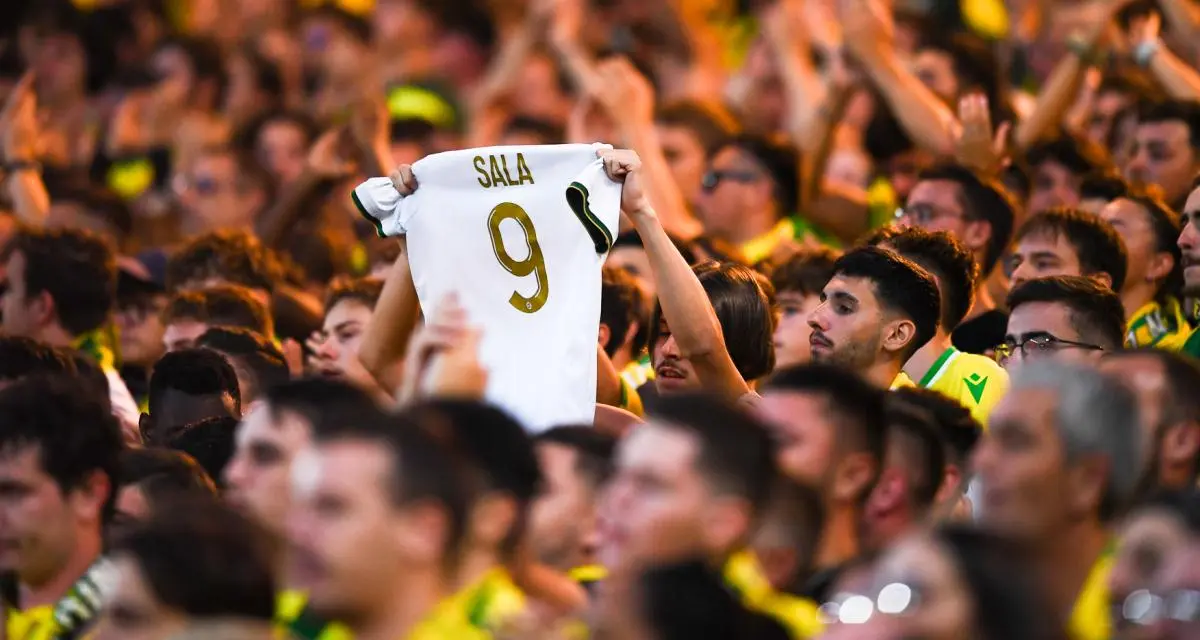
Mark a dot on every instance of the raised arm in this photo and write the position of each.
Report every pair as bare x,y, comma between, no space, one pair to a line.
23,180
1180,80
685,305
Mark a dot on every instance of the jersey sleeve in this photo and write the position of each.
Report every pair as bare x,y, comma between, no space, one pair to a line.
379,202
596,202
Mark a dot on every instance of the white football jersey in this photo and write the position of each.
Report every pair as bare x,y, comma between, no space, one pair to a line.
520,235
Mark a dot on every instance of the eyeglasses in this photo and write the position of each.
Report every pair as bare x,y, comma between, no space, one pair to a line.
1038,344
712,179
1145,608
922,213
894,598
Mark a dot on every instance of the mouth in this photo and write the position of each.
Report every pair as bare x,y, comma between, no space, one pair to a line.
668,372
818,341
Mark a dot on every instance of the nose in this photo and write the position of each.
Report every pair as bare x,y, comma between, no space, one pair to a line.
235,471
1022,273
816,319
1138,163
328,349
670,348
1189,238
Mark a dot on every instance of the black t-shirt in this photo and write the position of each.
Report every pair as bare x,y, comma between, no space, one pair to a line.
981,333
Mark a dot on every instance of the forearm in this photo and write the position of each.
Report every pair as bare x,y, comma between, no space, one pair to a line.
664,192
30,200
687,309
806,95
929,122
392,324
287,208
1179,79
608,381
1053,101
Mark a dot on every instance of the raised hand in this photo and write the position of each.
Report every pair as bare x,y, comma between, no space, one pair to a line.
977,146
867,27
625,166
626,94
325,158
19,122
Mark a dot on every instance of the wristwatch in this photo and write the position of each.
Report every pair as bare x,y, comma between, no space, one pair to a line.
1143,52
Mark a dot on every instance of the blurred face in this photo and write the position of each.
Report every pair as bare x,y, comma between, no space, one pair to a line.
214,198
1053,185
342,529
1148,540
18,316
343,330
653,509
1020,462
1103,118
1179,585
39,524
1163,155
936,69
59,64
803,434
132,506
686,158
635,261
563,517
1189,244
848,325
258,477
176,79
1045,331
1043,254
1146,377
540,95
735,185
792,332
1132,223
917,592
672,372
282,148
934,205
133,612
141,331
182,334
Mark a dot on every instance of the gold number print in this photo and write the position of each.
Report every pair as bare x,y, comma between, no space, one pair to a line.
535,263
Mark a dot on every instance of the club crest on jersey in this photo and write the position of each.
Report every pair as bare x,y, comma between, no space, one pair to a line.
494,171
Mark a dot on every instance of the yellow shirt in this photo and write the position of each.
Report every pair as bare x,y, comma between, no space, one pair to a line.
36,623
447,622
902,381
1155,325
1191,346
493,601
799,616
761,248
293,619
1089,618
975,381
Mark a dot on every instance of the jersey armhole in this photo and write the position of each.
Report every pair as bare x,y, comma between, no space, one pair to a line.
362,211
577,199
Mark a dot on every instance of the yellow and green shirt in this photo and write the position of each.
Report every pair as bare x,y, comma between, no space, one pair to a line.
1155,325
36,623
902,381
493,601
1191,346
975,381
745,576
1090,616
294,619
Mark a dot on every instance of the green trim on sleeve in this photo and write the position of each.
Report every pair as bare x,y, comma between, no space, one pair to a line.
577,199
362,211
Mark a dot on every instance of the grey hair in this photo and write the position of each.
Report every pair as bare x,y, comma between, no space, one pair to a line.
1096,414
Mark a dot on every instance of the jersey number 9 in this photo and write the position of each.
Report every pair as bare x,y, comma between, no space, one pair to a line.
534,263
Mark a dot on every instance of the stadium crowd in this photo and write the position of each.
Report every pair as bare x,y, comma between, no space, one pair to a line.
859,319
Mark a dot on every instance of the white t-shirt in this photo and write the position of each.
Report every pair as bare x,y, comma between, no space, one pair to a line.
520,235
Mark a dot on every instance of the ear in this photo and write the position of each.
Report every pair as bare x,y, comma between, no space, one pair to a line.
492,517
853,477
888,493
145,426
1102,278
898,334
726,523
42,306
951,479
1160,266
1086,481
634,327
87,500
604,336
1180,444
422,530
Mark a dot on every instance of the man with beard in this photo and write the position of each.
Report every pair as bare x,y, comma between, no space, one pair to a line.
875,313
1189,246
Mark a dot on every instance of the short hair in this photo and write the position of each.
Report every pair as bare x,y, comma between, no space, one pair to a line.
365,291
319,401
162,474
914,433
1097,244
1079,155
221,306
622,305
710,126
210,442
781,163
422,467
1180,402
1166,227
74,432
252,351
690,599
595,451
205,559
1095,414
959,429
806,272
21,357
735,452
743,301
901,287
194,372
544,131
236,257
853,404
1095,310
1104,185
981,199
495,444
1185,111
77,268
944,257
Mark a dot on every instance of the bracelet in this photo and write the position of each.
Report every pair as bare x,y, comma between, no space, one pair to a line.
16,166
1144,52
1087,52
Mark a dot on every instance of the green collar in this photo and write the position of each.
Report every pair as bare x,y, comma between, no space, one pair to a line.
936,368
